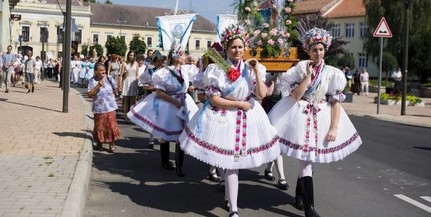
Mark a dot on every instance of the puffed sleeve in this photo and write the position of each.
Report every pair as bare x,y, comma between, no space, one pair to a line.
214,79
336,85
292,77
198,80
145,78
159,78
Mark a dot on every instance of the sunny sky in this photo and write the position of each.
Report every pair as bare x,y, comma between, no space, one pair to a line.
206,8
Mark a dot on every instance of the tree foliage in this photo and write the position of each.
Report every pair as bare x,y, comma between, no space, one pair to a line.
90,1
84,49
394,12
116,45
138,45
108,2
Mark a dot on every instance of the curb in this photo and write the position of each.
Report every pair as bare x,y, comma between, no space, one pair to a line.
76,197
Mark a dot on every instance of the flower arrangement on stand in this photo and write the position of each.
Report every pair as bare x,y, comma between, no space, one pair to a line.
270,26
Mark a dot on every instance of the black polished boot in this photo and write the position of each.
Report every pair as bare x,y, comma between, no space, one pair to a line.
179,160
298,196
307,191
164,154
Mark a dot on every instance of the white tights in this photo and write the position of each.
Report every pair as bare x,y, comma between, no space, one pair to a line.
231,188
305,169
279,165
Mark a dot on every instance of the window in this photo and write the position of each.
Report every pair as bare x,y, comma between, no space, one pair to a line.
363,30
350,30
336,33
60,34
149,42
44,34
25,34
209,43
363,62
198,44
78,36
108,37
95,38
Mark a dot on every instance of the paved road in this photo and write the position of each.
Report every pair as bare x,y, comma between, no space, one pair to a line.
132,183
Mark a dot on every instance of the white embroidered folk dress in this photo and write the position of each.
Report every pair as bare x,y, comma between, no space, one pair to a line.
159,117
231,138
303,125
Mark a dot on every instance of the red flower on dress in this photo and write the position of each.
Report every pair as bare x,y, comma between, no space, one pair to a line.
233,74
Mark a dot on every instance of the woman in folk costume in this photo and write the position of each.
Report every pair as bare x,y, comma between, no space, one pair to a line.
231,130
75,66
312,125
165,112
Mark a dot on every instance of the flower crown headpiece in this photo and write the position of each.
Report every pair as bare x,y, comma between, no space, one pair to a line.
315,36
232,32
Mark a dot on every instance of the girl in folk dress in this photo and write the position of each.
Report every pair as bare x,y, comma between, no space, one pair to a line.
312,125
129,83
231,130
165,112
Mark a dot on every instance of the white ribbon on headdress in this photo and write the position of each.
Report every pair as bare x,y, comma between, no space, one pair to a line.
175,29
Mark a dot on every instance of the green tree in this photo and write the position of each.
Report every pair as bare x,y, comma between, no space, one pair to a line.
90,1
98,48
84,49
138,45
419,30
108,2
116,45
389,62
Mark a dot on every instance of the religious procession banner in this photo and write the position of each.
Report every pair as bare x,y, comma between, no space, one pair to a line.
175,29
223,21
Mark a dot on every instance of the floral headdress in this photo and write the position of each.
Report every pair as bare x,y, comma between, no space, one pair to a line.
233,32
316,36
177,51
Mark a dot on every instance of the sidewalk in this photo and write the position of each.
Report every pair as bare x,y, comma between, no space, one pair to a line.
46,155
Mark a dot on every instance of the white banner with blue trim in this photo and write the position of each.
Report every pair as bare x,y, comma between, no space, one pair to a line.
175,28
223,21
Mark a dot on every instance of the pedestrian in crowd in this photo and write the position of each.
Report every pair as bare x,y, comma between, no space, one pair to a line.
274,95
45,67
141,69
101,89
397,76
18,67
165,112
84,70
75,66
231,130
1,69
364,78
148,60
312,125
8,69
30,65
57,70
38,70
356,84
348,76
50,68
156,64
129,82
114,68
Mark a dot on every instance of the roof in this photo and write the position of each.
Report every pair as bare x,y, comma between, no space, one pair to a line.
347,8
313,6
62,2
139,16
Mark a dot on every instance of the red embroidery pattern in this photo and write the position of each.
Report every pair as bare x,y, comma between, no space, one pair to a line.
150,124
311,110
240,150
228,152
299,147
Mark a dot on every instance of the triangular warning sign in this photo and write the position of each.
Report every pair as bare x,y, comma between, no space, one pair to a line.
383,30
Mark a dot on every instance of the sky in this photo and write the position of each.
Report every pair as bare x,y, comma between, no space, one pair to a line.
206,8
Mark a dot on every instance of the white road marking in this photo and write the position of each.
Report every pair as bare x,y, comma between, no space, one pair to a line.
427,198
414,202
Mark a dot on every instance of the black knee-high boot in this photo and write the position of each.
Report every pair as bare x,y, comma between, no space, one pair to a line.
179,160
308,196
298,196
164,154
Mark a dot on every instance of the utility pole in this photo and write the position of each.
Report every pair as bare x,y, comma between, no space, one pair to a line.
66,55
406,55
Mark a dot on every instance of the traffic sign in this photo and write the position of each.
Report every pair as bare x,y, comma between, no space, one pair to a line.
382,30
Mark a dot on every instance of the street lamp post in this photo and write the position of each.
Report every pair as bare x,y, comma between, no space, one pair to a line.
406,53
121,20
